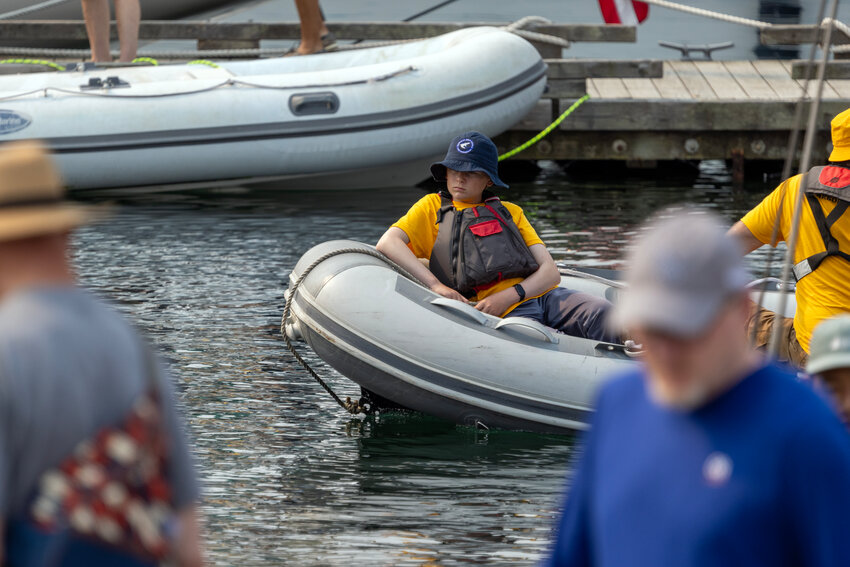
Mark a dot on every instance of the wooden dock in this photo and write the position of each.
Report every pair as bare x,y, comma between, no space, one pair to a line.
640,112
737,110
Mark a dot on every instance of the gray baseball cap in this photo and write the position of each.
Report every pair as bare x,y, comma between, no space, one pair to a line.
681,271
830,345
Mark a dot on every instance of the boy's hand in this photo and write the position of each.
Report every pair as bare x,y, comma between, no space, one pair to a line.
446,291
498,303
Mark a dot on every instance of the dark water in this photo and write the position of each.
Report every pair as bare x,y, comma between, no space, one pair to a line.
290,479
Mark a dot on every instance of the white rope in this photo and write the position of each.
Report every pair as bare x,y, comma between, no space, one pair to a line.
843,28
32,9
709,14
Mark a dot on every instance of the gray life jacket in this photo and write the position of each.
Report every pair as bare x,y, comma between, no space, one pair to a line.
833,183
478,247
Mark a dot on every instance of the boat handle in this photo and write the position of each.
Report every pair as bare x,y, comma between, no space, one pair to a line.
523,324
461,309
305,104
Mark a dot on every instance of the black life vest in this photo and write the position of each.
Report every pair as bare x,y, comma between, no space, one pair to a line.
832,182
478,247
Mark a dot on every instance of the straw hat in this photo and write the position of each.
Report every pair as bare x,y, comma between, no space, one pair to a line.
32,195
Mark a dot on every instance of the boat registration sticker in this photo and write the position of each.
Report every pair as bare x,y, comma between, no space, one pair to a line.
11,121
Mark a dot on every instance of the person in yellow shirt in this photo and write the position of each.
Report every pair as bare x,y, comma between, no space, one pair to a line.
484,250
822,253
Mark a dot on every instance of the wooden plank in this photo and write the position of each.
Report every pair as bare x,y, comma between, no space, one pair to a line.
776,75
799,34
671,86
834,70
155,29
693,80
828,91
842,88
610,88
750,80
565,88
541,113
641,88
602,69
592,90
591,33
662,115
577,144
721,81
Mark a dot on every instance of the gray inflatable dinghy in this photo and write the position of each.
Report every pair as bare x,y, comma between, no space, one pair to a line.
401,341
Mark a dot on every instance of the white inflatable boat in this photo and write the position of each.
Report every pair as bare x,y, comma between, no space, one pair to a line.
421,351
286,117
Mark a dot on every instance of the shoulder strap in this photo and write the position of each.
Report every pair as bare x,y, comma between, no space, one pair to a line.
443,254
446,205
824,224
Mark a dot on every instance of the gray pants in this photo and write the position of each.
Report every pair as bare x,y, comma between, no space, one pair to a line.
571,312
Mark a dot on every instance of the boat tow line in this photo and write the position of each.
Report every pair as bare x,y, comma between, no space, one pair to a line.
545,131
353,407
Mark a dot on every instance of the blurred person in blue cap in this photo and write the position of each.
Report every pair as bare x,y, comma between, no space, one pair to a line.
706,455
94,463
829,362
482,249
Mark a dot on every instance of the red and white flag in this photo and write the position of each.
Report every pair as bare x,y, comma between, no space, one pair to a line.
626,12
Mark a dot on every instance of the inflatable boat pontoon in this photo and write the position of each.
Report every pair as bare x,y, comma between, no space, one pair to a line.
422,351
332,113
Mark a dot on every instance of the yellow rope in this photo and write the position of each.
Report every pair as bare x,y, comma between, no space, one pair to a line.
150,60
50,64
203,62
546,131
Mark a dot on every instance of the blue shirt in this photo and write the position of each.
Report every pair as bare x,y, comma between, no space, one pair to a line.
758,476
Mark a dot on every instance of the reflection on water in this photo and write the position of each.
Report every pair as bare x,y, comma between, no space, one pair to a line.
288,477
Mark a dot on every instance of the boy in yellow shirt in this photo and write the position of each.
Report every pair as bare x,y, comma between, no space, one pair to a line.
482,249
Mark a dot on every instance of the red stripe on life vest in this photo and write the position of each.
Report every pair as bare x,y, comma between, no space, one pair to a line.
496,214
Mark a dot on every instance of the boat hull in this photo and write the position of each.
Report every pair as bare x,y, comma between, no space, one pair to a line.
338,112
403,342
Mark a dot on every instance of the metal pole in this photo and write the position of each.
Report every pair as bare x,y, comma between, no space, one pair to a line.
805,159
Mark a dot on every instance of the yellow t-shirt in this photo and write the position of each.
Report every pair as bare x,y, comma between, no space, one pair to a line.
420,226
825,292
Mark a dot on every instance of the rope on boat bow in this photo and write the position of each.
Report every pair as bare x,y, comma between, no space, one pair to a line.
351,406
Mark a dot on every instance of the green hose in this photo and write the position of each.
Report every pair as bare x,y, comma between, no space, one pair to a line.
546,131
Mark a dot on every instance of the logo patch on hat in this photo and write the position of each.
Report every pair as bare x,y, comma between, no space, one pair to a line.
11,121
465,146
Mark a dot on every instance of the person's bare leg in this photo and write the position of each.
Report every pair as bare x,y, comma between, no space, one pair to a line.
312,26
129,14
96,14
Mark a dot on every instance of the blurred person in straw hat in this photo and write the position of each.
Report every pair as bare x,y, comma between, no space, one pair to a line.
822,252
829,362
705,455
94,462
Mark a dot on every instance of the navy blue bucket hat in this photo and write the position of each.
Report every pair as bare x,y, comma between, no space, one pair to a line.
471,151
